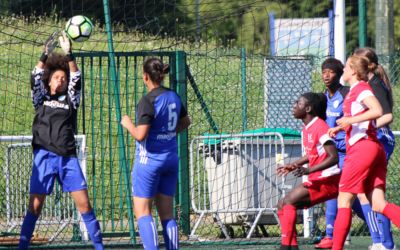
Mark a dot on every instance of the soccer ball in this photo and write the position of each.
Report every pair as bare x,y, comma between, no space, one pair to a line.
79,28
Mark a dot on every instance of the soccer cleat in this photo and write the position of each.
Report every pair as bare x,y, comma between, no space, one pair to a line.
325,243
375,246
384,248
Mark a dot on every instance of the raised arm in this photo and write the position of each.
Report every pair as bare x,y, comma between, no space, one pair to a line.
38,91
74,85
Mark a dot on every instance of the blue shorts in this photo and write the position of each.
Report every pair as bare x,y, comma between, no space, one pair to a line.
155,176
48,166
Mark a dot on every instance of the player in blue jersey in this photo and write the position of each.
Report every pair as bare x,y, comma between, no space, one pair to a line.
380,85
160,116
56,87
332,70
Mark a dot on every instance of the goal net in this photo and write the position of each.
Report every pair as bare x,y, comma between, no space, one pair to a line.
59,217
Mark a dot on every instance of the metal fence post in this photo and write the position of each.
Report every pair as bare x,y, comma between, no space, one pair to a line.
121,144
183,183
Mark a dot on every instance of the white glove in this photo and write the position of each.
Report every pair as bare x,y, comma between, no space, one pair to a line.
65,43
50,43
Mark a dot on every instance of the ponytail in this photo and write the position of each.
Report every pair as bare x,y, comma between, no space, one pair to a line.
373,65
156,70
381,73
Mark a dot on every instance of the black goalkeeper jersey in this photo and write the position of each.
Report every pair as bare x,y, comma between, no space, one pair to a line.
54,125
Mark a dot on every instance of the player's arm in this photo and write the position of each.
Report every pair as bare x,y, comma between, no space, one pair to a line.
184,120
330,160
145,116
183,124
139,133
38,91
284,170
374,111
384,120
74,85
333,131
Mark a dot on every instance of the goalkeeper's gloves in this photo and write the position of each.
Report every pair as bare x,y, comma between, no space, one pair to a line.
49,45
65,43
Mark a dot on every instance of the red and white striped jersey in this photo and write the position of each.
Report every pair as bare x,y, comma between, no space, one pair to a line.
353,105
315,135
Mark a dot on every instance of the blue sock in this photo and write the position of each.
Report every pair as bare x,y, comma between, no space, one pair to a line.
358,209
330,216
28,226
93,227
371,222
170,233
148,232
385,231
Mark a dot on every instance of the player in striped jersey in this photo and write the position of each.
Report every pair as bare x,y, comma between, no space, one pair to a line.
323,172
362,172
159,116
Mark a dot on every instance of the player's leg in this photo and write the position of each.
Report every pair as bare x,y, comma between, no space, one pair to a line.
370,219
386,137
147,226
164,201
82,202
358,209
331,205
170,228
36,202
380,205
343,219
41,183
357,169
287,210
73,181
376,196
145,179
330,216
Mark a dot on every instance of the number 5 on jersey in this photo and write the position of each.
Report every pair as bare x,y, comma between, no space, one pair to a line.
172,117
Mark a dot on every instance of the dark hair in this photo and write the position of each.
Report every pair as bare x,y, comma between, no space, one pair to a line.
156,69
53,63
333,64
374,65
317,102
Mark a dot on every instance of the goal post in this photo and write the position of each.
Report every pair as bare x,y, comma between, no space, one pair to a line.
59,211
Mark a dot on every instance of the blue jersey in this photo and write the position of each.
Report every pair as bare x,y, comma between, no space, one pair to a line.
334,111
161,108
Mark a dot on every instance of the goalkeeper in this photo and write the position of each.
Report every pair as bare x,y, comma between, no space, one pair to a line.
56,86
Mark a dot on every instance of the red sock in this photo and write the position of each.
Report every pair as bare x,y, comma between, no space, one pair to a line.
392,211
341,228
283,229
288,224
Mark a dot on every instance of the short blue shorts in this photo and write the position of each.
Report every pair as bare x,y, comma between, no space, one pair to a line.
155,176
48,166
